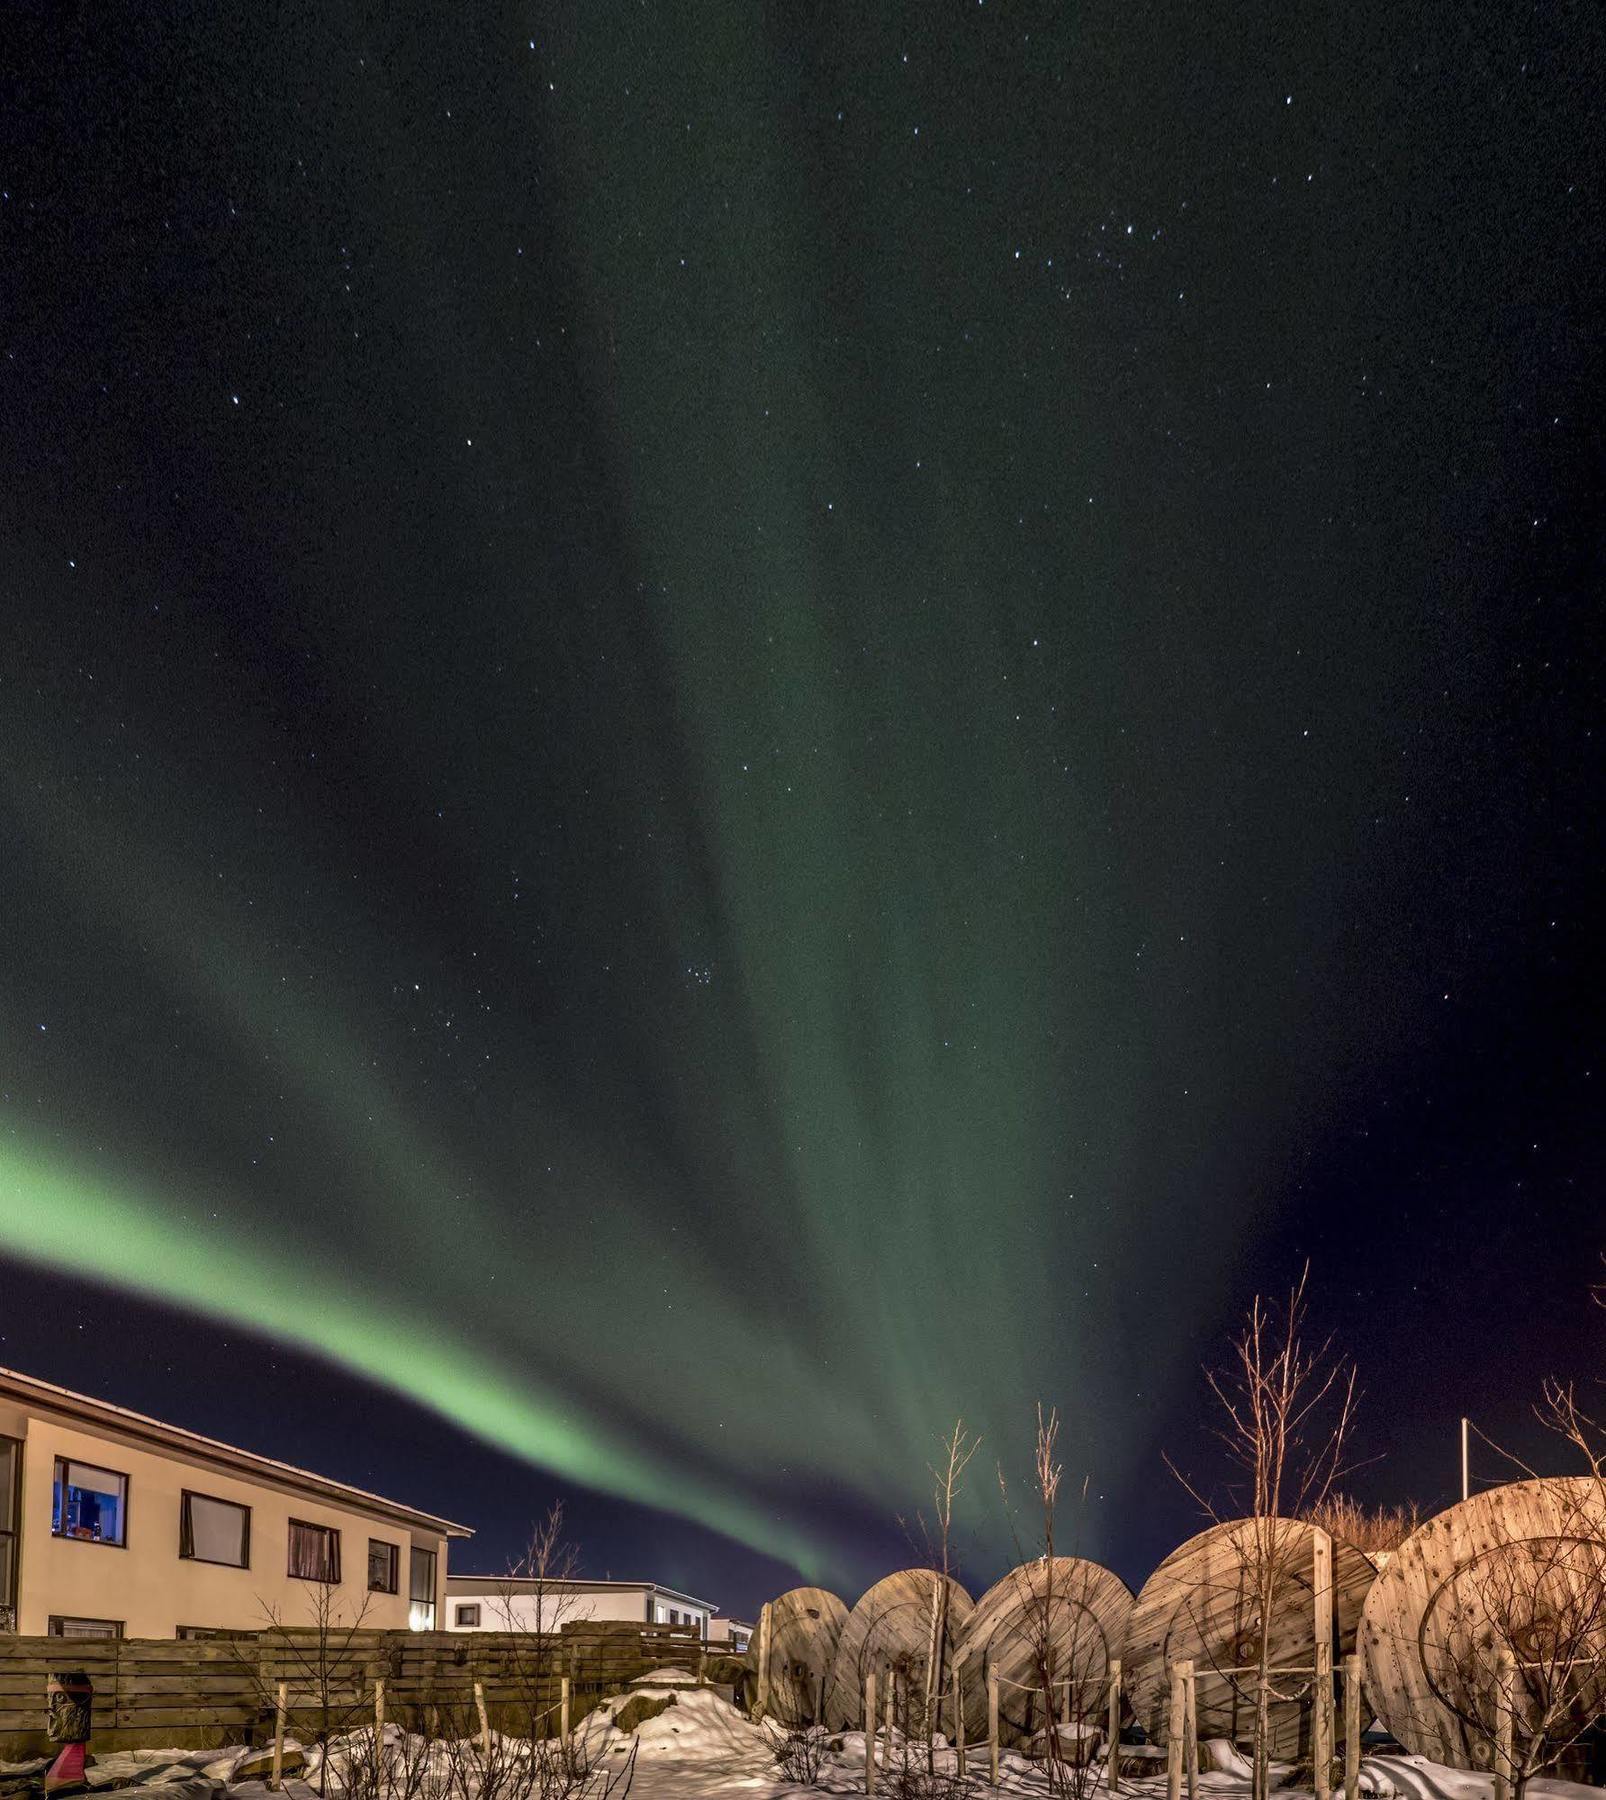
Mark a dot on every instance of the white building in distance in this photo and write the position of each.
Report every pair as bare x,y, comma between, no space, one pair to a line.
520,1603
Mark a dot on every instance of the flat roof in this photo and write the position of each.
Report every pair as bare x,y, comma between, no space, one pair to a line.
89,1411
570,1585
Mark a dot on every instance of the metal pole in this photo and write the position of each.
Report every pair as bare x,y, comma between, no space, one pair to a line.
1466,1483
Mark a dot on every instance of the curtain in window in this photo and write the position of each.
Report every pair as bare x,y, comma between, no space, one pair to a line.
314,1552
213,1530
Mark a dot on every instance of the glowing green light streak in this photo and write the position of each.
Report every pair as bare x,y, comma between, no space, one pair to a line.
64,1218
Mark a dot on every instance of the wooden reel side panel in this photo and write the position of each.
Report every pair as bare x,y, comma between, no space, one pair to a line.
1491,1570
1202,1604
889,1631
805,1628
1082,1609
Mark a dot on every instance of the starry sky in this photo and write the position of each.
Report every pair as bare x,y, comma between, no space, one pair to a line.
727,728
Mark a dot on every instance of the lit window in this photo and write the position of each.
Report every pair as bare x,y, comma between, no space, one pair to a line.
468,1615
421,1590
384,1565
90,1504
214,1531
314,1552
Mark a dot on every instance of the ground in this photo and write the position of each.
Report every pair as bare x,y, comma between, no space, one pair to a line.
702,1748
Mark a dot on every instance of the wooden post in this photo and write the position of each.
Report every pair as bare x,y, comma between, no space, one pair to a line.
277,1780
1174,1733
959,1724
563,1711
1352,1727
485,1718
764,1657
992,1724
1504,1734
1190,1729
379,1722
869,1732
1322,1693
1112,1776
892,1686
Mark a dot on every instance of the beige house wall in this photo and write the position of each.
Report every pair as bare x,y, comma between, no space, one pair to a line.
152,1591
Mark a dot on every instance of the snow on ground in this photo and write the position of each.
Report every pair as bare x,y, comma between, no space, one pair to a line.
702,1748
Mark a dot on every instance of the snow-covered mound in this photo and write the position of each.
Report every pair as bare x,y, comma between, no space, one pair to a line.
700,1726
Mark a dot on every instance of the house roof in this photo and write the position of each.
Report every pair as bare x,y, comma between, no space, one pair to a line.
83,1408
513,1584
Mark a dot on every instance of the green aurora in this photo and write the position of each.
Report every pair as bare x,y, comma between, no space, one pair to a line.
724,736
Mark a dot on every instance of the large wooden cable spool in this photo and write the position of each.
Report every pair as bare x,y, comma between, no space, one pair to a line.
805,1626
890,1633
1518,1570
1203,1604
1067,1612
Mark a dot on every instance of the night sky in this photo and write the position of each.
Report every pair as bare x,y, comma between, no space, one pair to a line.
726,728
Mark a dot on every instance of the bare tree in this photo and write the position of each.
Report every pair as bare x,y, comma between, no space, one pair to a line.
534,1601
1056,1602
948,1474
1285,1411
1519,1649
1517,1642
322,1663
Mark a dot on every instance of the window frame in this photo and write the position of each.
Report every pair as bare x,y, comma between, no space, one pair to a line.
58,1620
59,1481
202,1634
459,1607
417,1604
332,1532
395,1566
11,1536
185,1496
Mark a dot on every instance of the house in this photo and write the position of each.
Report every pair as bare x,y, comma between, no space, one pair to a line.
735,1634
116,1525
516,1603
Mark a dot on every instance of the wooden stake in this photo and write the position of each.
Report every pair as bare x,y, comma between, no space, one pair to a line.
1175,1731
485,1718
1190,1728
1505,1672
1112,1773
892,1684
764,1657
1352,1727
959,1725
563,1710
869,1733
1322,1719
992,1724
277,1780
379,1723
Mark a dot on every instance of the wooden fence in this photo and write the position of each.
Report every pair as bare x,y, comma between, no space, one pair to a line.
155,1692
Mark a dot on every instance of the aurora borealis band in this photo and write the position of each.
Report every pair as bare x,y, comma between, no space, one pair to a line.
726,732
